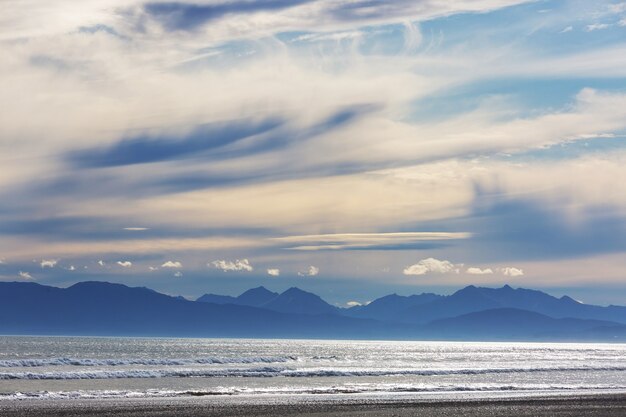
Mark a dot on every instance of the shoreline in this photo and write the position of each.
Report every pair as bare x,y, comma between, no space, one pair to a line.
574,405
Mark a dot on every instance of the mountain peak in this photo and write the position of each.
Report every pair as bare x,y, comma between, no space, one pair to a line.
295,300
256,297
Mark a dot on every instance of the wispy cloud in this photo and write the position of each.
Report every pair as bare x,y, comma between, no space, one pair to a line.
366,240
136,229
273,272
237,265
597,26
125,264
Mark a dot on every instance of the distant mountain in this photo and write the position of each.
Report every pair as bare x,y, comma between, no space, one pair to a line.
100,308
217,299
388,308
473,299
256,297
294,300
512,324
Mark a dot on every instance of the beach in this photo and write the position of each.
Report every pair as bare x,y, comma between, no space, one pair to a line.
565,406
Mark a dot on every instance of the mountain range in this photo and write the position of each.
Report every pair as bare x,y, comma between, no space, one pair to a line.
472,313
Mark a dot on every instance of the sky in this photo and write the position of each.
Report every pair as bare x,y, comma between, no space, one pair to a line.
353,148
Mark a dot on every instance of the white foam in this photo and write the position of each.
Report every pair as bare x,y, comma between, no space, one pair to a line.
33,363
340,389
270,371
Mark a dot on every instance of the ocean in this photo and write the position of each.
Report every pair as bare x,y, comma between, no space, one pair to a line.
103,367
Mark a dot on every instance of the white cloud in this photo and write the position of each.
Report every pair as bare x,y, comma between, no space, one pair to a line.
48,263
136,229
478,271
178,274
622,22
512,272
153,268
617,7
25,275
597,26
172,264
567,29
125,264
273,272
237,265
101,262
338,241
311,271
353,304
71,268
430,265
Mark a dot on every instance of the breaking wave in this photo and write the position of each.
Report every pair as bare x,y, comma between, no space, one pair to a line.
342,389
33,363
270,371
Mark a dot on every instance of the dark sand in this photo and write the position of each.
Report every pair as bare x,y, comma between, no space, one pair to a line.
590,405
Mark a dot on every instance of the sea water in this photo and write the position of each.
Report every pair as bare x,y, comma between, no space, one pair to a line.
90,367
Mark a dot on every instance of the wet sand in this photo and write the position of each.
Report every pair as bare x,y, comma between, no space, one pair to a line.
566,406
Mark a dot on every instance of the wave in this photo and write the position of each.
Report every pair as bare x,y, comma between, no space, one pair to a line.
332,390
33,363
268,372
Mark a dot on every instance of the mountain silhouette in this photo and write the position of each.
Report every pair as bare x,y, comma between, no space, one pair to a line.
473,299
104,309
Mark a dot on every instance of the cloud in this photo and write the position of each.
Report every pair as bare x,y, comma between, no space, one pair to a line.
512,272
311,271
430,265
172,264
273,272
136,229
338,241
153,268
353,304
617,7
567,29
144,149
186,16
178,274
71,268
597,26
48,263
478,271
2,261
101,263
237,265
25,275
125,264
622,22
